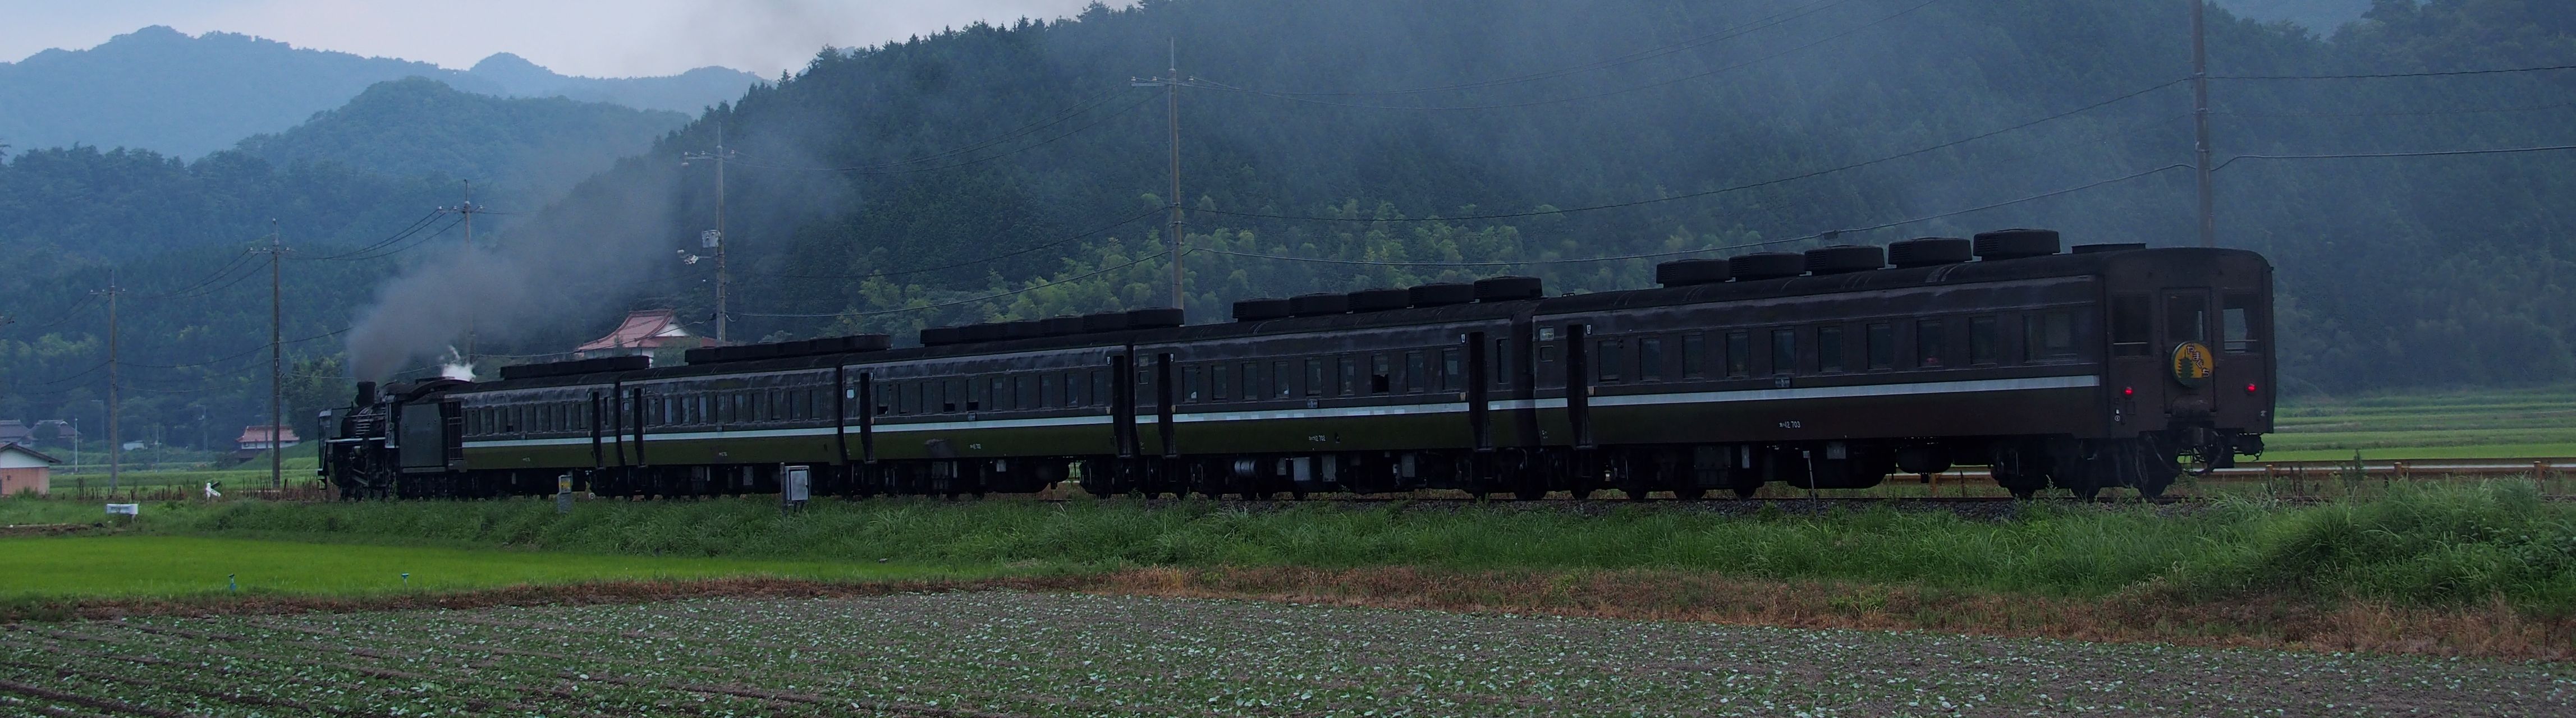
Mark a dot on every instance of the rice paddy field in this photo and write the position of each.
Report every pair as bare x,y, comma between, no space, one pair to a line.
1006,653
2481,423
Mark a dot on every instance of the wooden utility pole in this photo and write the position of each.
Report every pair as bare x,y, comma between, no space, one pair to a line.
467,211
115,443
716,239
2200,121
1171,84
277,353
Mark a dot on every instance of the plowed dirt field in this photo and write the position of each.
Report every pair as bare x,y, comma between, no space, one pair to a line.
1014,653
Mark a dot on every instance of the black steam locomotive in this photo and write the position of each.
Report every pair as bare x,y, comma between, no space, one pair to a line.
2113,365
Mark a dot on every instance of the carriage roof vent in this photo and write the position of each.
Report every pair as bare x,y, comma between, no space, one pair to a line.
2112,247
1687,272
1845,259
1379,300
1155,318
1317,305
1508,288
2016,243
1766,265
1930,251
1439,294
1254,310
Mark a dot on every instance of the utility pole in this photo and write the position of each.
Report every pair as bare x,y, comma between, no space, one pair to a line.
467,211
277,350
2200,121
1171,84
716,239
115,444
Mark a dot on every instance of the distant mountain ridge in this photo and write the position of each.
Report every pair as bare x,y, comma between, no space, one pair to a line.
160,89
417,127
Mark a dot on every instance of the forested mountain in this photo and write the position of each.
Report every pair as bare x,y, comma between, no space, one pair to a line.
418,127
1011,172
159,89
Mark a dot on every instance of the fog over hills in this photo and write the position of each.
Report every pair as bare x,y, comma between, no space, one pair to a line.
162,90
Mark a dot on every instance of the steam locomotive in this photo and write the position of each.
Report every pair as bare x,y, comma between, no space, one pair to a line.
2114,365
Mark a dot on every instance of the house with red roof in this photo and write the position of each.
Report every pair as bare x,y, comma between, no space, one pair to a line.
643,332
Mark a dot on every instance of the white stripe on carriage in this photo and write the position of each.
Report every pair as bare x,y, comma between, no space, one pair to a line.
1701,397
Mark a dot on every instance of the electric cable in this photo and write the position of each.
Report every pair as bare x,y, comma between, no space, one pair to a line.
2440,73
1679,252
2432,153
1722,190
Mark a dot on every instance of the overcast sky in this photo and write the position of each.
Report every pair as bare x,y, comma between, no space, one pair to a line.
600,38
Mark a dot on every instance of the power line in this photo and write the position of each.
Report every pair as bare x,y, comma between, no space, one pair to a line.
415,244
942,305
1764,243
2445,73
2529,108
983,260
2435,153
1722,190
211,278
883,169
1577,98
398,236
1726,33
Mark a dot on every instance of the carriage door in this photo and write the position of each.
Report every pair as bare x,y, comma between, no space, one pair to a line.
2189,357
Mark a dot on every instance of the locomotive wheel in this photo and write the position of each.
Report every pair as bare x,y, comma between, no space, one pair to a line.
1530,493
1690,493
2088,493
1746,492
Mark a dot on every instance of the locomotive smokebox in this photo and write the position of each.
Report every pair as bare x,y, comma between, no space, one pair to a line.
366,393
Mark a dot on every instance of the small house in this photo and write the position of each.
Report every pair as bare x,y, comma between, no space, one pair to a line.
25,470
260,438
640,334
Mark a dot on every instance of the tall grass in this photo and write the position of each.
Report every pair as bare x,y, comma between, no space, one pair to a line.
2440,545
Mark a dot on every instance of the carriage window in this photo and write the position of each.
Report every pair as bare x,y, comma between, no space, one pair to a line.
1930,344
1880,341
907,397
1281,382
1380,374
1074,386
1193,386
1502,362
1605,360
1784,351
1346,375
2051,335
1829,349
1694,347
2129,324
742,408
1046,391
724,408
2186,318
1546,362
1314,377
1984,340
1223,387
999,397
1739,354
1024,392
1415,367
1100,385
2238,321
1251,381
1450,370
1650,359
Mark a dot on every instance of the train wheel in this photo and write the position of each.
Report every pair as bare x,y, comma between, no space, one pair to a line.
1687,494
2088,493
1746,492
1529,493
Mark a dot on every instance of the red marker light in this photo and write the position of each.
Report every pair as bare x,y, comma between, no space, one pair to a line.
2128,391
2249,388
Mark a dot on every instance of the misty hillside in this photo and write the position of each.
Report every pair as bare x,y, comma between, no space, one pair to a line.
418,126
2322,16
1013,171
159,89
992,158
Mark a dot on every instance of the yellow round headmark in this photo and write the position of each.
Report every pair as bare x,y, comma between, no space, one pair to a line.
2193,364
